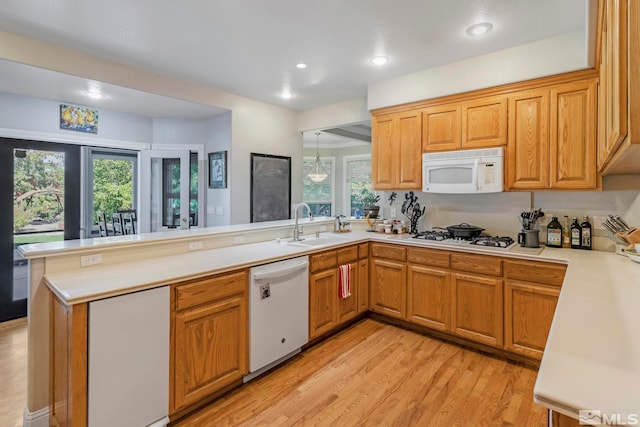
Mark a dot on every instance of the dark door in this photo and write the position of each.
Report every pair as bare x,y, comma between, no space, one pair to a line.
40,195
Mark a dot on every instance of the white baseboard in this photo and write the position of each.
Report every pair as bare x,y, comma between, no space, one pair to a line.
39,418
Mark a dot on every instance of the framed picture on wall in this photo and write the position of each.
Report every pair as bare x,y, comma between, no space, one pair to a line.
270,187
218,169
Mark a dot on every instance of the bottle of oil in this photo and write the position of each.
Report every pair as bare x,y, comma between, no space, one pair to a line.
554,233
566,234
585,232
575,234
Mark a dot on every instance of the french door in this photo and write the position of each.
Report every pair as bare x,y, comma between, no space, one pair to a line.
40,190
166,200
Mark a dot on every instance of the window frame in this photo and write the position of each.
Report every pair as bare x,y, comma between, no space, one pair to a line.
346,189
332,176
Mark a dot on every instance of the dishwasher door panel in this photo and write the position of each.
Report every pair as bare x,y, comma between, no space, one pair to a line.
278,310
129,360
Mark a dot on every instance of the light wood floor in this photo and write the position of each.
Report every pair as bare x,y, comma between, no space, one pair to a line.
374,374
13,372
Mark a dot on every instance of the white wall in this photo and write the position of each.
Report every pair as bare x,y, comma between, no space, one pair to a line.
41,115
219,199
563,53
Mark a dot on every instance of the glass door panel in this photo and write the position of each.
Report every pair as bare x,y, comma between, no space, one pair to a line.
165,190
41,181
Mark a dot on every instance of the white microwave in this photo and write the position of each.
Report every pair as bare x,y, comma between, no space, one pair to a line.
463,172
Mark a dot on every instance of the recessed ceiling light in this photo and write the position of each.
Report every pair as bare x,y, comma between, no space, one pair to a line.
301,65
481,28
286,94
94,94
379,60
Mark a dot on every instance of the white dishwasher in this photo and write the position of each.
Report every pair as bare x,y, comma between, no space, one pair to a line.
278,313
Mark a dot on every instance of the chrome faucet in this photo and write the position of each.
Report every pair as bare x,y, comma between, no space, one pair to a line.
296,229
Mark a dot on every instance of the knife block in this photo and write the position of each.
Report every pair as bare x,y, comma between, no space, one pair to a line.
631,236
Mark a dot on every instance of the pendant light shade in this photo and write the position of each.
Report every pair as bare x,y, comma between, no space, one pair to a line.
317,174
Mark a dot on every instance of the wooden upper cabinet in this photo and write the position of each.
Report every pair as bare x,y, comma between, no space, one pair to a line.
382,160
573,133
484,122
441,128
396,149
612,91
527,165
409,146
477,123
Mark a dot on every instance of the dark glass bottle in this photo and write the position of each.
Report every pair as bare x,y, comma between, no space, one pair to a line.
554,233
585,232
575,234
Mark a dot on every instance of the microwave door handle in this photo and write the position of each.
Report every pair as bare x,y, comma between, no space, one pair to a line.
474,176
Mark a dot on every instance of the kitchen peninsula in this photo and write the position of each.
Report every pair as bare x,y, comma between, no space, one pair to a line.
582,352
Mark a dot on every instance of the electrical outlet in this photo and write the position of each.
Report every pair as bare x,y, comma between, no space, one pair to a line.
597,222
238,239
90,260
393,212
194,246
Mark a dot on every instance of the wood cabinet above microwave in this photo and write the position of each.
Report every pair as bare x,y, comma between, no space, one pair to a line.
476,123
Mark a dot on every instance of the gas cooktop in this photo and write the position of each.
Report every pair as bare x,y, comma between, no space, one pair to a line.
443,236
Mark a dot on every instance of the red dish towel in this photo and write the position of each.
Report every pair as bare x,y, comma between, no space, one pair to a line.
344,282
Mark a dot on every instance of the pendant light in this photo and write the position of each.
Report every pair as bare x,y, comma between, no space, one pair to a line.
317,174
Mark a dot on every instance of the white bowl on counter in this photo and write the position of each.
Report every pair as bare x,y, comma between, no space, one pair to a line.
633,255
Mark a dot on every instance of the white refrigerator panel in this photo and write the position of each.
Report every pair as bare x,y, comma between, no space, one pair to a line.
129,359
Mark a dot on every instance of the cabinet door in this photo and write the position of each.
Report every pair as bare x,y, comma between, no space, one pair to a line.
409,155
388,290
484,122
363,285
441,128
348,307
612,96
429,297
210,349
528,312
573,132
323,297
383,156
476,303
528,148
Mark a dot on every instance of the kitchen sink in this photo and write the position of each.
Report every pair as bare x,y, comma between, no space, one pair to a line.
316,241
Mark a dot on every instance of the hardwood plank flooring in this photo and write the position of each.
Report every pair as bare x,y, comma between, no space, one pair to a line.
373,374
13,371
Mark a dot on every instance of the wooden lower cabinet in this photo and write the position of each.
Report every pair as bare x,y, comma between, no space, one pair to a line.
528,312
363,285
326,310
209,343
323,300
476,311
388,287
429,297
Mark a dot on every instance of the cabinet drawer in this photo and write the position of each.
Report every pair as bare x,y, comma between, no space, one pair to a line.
210,288
433,257
480,264
347,255
396,253
323,261
532,271
363,250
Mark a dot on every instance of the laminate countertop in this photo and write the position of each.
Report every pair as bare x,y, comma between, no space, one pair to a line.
592,355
